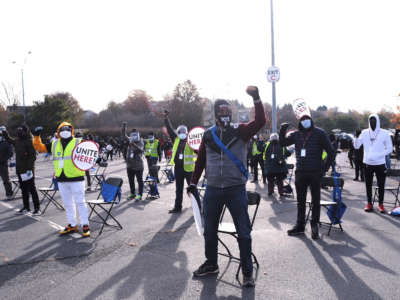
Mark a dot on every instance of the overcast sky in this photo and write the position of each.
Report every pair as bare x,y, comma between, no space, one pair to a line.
343,53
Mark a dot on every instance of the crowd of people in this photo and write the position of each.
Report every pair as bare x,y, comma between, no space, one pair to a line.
226,154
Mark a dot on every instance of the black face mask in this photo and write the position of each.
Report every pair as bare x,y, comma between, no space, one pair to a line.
21,134
225,121
372,123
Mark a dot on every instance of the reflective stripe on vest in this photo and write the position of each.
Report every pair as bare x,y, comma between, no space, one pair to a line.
151,149
266,148
189,157
70,171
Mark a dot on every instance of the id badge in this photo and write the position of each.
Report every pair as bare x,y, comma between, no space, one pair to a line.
180,156
131,154
303,153
61,164
272,156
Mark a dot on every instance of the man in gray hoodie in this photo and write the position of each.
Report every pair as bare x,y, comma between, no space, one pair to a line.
377,145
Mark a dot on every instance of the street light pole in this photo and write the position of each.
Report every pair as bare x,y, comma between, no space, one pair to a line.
274,121
23,94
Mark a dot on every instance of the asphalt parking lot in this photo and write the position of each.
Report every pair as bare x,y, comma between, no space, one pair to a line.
155,253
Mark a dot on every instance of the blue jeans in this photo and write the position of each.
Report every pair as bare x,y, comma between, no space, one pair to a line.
235,199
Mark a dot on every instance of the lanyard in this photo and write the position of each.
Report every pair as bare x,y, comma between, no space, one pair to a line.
306,139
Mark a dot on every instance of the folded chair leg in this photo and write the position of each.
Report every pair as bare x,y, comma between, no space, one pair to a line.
226,248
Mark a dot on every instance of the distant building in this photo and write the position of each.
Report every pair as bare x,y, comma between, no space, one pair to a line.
18,109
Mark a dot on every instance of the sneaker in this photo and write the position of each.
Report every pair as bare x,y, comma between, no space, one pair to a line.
355,179
248,281
10,197
89,189
369,207
85,231
205,269
37,212
381,208
23,211
174,211
314,232
296,230
131,196
138,197
69,229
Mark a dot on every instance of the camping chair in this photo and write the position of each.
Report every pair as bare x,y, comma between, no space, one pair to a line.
167,174
287,188
334,207
151,188
110,195
229,228
15,186
99,174
395,174
48,194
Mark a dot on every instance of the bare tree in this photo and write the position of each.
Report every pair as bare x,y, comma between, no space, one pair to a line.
7,95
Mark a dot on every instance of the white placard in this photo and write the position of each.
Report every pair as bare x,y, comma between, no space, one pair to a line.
194,137
196,214
273,74
85,155
301,108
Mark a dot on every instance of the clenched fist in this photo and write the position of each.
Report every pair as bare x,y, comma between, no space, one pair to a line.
253,92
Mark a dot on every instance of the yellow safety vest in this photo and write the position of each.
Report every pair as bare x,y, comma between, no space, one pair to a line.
189,157
255,150
266,148
151,148
65,155
324,155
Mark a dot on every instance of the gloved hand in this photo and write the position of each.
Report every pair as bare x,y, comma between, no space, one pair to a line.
37,131
192,189
284,128
253,92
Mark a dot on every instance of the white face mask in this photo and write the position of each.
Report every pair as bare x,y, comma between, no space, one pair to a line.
306,123
65,134
182,136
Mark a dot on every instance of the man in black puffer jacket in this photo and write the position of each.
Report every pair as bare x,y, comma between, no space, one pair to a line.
310,142
5,154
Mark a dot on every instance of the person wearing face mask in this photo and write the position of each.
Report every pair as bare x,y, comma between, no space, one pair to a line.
226,176
310,142
275,163
5,154
71,180
25,156
377,145
134,161
152,150
183,159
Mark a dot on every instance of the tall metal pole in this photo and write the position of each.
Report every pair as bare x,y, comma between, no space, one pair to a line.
23,94
274,121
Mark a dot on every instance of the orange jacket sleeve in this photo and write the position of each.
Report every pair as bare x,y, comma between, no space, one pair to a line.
38,145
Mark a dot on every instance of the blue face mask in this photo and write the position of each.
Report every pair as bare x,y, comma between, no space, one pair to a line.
306,123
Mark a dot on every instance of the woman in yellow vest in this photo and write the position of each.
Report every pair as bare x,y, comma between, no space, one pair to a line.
70,179
183,158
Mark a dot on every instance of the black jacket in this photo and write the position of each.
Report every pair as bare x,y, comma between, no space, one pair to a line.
5,152
25,154
314,141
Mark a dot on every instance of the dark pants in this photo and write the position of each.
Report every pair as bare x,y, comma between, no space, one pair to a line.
278,177
89,183
303,181
139,177
258,160
180,177
380,172
235,199
110,154
28,187
359,169
350,156
6,179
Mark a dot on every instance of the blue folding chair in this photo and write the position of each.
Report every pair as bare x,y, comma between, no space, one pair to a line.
110,194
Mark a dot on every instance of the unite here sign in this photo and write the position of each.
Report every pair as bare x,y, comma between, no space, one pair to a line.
85,155
194,138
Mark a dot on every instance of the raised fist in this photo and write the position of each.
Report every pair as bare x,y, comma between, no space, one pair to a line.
37,131
284,127
253,92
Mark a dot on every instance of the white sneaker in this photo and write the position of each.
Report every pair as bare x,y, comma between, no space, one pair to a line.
23,211
37,212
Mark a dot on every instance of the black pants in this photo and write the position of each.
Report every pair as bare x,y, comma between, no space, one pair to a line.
180,177
380,172
139,177
110,154
258,160
28,187
350,156
278,177
359,169
89,182
303,181
6,179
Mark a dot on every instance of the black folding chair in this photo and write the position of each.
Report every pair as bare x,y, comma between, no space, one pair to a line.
229,228
48,194
15,186
287,187
394,190
110,194
167,174
99,175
